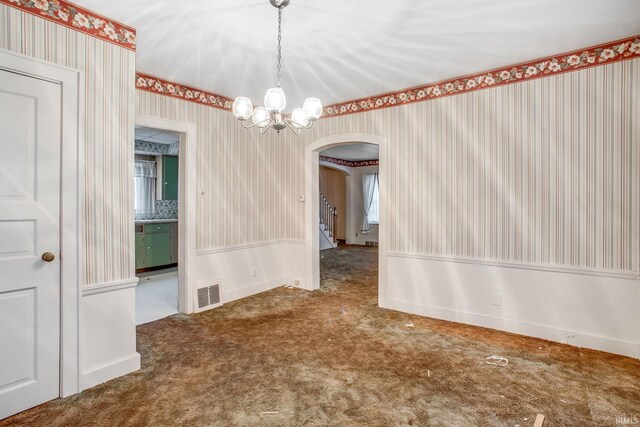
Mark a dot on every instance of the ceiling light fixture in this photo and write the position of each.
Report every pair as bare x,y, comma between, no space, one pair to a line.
270,116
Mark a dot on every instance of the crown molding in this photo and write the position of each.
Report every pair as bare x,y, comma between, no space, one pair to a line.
349,163
607,53
160,86
79,19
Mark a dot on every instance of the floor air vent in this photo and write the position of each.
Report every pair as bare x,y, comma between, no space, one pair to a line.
207,297
370,243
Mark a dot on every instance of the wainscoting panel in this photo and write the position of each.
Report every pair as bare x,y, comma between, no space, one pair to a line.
250,269
592,311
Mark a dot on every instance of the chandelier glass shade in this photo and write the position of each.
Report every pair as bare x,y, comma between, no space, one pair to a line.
275,101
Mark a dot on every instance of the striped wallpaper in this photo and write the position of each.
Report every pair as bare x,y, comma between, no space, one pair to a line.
248,184
545,171
108,119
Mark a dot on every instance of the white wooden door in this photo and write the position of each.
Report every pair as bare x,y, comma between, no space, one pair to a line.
30,137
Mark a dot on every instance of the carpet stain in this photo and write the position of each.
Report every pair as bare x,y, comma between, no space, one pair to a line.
290,357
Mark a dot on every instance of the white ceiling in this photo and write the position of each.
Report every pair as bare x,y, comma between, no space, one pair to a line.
353,152
340,50
154,135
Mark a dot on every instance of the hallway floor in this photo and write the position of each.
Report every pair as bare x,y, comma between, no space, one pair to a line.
156,296
290,357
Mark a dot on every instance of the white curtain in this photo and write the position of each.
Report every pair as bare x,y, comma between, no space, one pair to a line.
369,189
145,181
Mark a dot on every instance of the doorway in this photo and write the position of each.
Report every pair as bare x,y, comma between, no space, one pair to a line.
156,175
349,210
326,152
157,277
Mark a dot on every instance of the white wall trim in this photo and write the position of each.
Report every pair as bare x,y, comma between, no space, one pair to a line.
113,370
110,286
186,204
71,199
522,266
578,339
312,222
247,246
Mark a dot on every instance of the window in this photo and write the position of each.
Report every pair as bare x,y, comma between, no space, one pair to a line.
374,212
145,183
371,187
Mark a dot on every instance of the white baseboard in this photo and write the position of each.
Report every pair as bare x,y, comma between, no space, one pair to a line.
108,372
252,289
564,336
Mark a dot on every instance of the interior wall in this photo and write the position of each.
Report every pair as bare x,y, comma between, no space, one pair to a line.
248,184
333,185
107,133
538,176
541,175
544,171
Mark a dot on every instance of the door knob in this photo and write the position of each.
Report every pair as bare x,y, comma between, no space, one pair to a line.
48,257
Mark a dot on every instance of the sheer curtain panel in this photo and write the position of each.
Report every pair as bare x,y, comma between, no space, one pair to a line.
145,182
369,189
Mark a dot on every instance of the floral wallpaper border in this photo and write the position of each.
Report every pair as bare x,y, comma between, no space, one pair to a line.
607,53
80,19
350,163
157,85
615,51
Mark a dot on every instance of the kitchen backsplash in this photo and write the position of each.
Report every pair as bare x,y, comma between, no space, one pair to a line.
144,147
165,209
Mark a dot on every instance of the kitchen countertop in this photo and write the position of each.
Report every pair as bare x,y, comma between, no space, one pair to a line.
155,221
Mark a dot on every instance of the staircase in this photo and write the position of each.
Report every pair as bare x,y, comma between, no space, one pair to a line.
328,222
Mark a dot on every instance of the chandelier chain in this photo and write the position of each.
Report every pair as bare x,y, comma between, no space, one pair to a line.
279,74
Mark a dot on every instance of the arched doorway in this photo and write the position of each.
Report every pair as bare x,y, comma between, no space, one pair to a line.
312,250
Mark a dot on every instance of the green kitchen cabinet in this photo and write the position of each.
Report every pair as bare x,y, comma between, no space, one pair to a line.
169,178
140,250
158,250
155,245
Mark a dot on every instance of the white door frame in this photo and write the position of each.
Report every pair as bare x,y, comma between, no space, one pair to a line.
186,204
312,220
72,156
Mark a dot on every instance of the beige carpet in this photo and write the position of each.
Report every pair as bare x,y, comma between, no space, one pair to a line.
289,357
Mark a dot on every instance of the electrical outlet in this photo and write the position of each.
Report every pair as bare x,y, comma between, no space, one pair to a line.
301,198
253,272
497,299
296,283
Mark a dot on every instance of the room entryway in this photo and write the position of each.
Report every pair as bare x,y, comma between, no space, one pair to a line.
345,171
156,186
30,190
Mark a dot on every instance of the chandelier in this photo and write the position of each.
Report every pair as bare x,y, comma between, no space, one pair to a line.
270,116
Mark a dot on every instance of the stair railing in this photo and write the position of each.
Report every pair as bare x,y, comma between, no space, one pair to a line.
328,217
